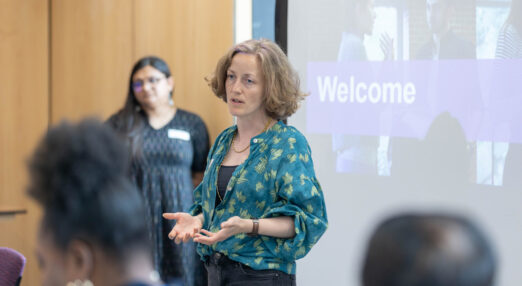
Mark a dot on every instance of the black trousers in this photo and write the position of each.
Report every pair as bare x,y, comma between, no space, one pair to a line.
225,272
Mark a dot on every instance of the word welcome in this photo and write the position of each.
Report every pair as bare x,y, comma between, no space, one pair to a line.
360,92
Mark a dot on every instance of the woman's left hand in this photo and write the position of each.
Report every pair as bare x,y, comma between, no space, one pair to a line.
232,226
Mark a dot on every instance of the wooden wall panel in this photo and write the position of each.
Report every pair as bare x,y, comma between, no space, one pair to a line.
23,118
91,56
191,36
68,59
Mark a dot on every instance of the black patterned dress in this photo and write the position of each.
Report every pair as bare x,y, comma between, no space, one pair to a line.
163,174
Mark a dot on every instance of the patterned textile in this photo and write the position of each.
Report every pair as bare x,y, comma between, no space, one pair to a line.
277,179
509,43
163,175
12,264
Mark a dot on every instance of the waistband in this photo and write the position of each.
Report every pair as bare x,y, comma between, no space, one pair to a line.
219,258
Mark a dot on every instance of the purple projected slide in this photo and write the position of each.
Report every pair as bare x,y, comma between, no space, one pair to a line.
402,98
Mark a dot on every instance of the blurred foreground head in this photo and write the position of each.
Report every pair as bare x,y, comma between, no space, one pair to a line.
428,250
93,218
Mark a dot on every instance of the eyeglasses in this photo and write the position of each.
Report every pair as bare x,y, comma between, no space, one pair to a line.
138,85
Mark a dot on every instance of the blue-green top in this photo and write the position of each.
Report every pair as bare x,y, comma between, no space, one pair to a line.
277,179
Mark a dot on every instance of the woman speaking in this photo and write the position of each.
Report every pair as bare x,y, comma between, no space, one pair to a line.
259,206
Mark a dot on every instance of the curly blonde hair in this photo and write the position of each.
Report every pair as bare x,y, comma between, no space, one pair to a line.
282,94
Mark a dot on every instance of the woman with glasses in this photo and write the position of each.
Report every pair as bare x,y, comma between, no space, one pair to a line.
260,206
169,146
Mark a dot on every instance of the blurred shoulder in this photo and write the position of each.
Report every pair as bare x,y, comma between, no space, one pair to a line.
115,120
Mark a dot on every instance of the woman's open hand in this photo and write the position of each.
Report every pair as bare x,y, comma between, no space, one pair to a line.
232,226
186,226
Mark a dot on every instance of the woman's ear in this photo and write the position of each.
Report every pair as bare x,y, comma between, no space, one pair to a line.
80,258
170,81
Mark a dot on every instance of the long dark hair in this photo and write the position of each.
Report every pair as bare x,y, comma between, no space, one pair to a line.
131,119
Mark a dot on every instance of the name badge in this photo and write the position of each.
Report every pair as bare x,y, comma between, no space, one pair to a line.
179,134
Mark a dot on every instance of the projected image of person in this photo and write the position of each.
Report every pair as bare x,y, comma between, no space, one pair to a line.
260,206
509,46
355,153
169,148
443,42
360,17
428,250
93,230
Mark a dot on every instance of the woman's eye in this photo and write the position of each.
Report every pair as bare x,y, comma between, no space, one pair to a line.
230,76
249,81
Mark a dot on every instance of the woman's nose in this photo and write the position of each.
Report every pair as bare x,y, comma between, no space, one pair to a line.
147,86
236,86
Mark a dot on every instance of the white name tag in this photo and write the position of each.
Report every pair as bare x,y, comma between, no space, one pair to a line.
179,134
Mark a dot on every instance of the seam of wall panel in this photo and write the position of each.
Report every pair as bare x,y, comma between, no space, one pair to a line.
49,63
133,31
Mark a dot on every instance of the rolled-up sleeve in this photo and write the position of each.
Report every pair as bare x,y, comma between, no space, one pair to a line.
299,195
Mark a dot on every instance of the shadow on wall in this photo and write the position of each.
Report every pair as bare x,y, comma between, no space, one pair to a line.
441,160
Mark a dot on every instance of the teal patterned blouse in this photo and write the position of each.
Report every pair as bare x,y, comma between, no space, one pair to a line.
277,179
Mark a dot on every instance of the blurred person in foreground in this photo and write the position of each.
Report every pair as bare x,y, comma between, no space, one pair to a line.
93,230
428,250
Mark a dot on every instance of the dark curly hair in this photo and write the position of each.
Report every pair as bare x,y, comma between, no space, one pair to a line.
78,175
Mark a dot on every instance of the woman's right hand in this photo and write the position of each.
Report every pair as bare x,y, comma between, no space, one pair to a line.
186,226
